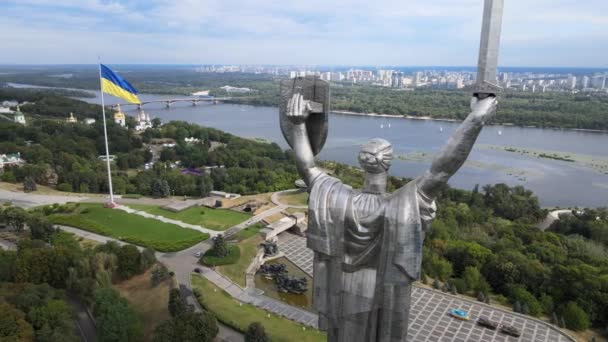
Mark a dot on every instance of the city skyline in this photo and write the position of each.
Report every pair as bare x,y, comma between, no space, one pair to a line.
542,34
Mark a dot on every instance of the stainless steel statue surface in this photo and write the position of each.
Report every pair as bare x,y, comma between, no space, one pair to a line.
368,243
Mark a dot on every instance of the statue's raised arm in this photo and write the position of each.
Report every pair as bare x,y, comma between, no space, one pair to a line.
455,152
297,113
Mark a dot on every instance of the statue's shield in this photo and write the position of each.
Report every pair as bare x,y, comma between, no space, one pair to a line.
313,89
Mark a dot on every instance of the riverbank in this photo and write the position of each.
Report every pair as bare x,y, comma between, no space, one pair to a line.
428,118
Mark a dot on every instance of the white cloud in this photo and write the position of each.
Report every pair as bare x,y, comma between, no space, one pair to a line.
445,32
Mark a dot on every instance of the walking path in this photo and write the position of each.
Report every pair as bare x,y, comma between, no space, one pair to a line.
275,198
212,233
254,297
27,200
93,236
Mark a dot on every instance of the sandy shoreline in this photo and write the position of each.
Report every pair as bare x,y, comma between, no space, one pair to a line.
428,118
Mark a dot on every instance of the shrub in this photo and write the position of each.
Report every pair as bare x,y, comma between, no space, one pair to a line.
220,248
574,317
159,274
459,285
65,187
526,300
132,196
256,333
29,184
210,259
9,177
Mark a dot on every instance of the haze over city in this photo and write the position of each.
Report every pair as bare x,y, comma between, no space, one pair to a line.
385,32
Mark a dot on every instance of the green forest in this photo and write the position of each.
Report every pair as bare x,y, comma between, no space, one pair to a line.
66,156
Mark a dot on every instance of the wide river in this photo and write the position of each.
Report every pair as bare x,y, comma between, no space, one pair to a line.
583,183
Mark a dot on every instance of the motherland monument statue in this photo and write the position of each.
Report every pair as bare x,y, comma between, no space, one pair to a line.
368,243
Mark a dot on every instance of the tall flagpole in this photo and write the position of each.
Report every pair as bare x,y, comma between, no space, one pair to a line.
105,135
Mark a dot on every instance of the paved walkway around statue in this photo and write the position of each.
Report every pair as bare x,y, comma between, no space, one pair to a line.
429,319
254,297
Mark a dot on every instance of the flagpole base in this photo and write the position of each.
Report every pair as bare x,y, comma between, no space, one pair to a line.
110,205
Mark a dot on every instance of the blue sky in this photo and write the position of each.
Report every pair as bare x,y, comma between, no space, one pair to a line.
570,33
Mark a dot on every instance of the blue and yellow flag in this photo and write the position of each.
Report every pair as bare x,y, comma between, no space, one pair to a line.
115,85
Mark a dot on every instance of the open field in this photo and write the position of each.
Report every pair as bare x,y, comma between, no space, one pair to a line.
150,303
229,312
215,219
236,271
131,228
298,198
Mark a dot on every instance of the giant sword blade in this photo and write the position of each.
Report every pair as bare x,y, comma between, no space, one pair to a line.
488,50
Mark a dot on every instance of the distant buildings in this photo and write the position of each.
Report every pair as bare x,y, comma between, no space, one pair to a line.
19,117
119,117
143,121
201,93
71,119
514,79
397,80
12,159
192,140
89,121
230,89
598,82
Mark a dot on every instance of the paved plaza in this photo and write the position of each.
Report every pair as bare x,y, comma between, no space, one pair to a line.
429,320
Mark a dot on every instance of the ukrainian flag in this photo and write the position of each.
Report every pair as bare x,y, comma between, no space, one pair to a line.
115,85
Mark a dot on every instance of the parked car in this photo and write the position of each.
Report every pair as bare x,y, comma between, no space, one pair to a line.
459,314
509,330
197,270
197,254
486,323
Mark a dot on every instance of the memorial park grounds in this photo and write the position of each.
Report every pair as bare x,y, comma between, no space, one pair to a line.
160,236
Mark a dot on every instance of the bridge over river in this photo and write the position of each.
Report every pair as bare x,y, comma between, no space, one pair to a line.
169,102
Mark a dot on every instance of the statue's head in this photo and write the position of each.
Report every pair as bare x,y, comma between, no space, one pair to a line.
376,156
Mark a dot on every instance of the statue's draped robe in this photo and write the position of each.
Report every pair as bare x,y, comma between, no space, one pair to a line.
368,250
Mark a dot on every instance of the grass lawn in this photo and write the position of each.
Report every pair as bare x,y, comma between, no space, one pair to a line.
163,237
298,198
236,271
229,312
247,232
215,219
150,303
